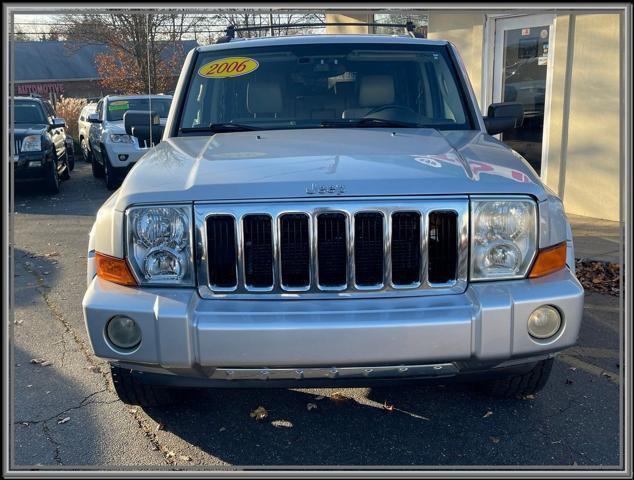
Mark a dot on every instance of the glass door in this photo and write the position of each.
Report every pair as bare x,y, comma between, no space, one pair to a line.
522,73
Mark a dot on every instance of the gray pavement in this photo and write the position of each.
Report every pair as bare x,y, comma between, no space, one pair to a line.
596,239
574,421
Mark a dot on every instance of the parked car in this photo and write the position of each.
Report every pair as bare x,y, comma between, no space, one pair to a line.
40,151
113,150
83,126
330,211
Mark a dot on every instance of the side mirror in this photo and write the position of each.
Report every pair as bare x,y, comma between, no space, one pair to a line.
94,118
58,123
139,118
503,116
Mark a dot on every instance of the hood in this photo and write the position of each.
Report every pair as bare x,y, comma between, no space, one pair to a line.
287,164
21,130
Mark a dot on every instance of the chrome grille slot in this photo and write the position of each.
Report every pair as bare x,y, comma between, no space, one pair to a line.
406,248
258,251
368,249
294,251
221,234
332,250
442,246
332,247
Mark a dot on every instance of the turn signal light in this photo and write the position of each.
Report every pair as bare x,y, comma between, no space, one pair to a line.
114,269
549,260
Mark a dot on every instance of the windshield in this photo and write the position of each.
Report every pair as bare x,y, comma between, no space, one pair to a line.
116,108
28,112
325,85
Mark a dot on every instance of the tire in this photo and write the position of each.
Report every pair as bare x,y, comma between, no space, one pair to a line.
71,160
65,175
97,169
85,152
52,181
133,392
527,383
112,178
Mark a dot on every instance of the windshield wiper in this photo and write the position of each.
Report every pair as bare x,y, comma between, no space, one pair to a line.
220,128
369,122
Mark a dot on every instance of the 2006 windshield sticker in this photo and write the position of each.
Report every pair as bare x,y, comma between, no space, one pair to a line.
228,67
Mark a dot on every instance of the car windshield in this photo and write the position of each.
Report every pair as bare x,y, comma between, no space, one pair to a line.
28,112
116,108
324,86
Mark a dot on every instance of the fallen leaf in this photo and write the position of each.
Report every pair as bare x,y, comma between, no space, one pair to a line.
37,361
494,439
132,410
259,413
18,322
170,454
310,406
46,363
388,408
339,397
574,369
93,368
487,414
185,458
63,420
52,254
29,386
160,426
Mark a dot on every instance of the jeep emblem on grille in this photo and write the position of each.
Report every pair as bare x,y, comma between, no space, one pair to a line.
314,189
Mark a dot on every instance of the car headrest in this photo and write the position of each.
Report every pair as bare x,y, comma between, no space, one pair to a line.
132,118
264,96
376,90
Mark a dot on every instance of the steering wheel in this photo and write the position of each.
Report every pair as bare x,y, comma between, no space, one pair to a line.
411,114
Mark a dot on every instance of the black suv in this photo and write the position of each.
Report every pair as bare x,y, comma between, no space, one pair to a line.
40,151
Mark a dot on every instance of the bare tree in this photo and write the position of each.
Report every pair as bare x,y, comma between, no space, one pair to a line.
137,40
281,21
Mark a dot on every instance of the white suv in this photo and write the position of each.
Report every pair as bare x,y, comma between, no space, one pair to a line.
83,126
115,151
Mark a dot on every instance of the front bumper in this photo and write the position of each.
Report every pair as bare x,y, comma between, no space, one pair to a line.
481,329
130,153
31,166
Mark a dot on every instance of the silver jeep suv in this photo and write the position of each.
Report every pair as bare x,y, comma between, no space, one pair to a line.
330,210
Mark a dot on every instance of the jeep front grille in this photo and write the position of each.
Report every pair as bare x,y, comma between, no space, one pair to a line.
347,248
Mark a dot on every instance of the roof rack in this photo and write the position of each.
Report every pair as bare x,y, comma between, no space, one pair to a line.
231,30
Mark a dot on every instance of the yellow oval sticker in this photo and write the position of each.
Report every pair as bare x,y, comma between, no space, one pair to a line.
228,67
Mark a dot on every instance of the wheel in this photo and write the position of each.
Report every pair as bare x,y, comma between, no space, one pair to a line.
112,178
133,392
97,168
65,175
527,383
71,159
85,152
52,180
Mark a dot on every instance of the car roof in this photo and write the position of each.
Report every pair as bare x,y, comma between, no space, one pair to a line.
320,39
131,97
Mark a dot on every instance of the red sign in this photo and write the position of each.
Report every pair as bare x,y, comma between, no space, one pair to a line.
40,88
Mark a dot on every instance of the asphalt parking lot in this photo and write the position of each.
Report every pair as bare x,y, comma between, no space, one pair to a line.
65,413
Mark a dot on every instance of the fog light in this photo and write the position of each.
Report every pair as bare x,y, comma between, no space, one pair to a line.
123,332
544,322
123,157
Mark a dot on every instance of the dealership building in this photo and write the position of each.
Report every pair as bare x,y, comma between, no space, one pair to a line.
566,67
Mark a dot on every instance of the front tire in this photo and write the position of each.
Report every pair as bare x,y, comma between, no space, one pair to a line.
133,392
65,175
527,383
52,180
112,179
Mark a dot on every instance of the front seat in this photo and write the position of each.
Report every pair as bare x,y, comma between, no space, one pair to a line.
374,91
264,98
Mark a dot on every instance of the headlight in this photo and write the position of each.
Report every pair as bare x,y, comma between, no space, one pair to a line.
120,138
32,143
160,244
503,239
